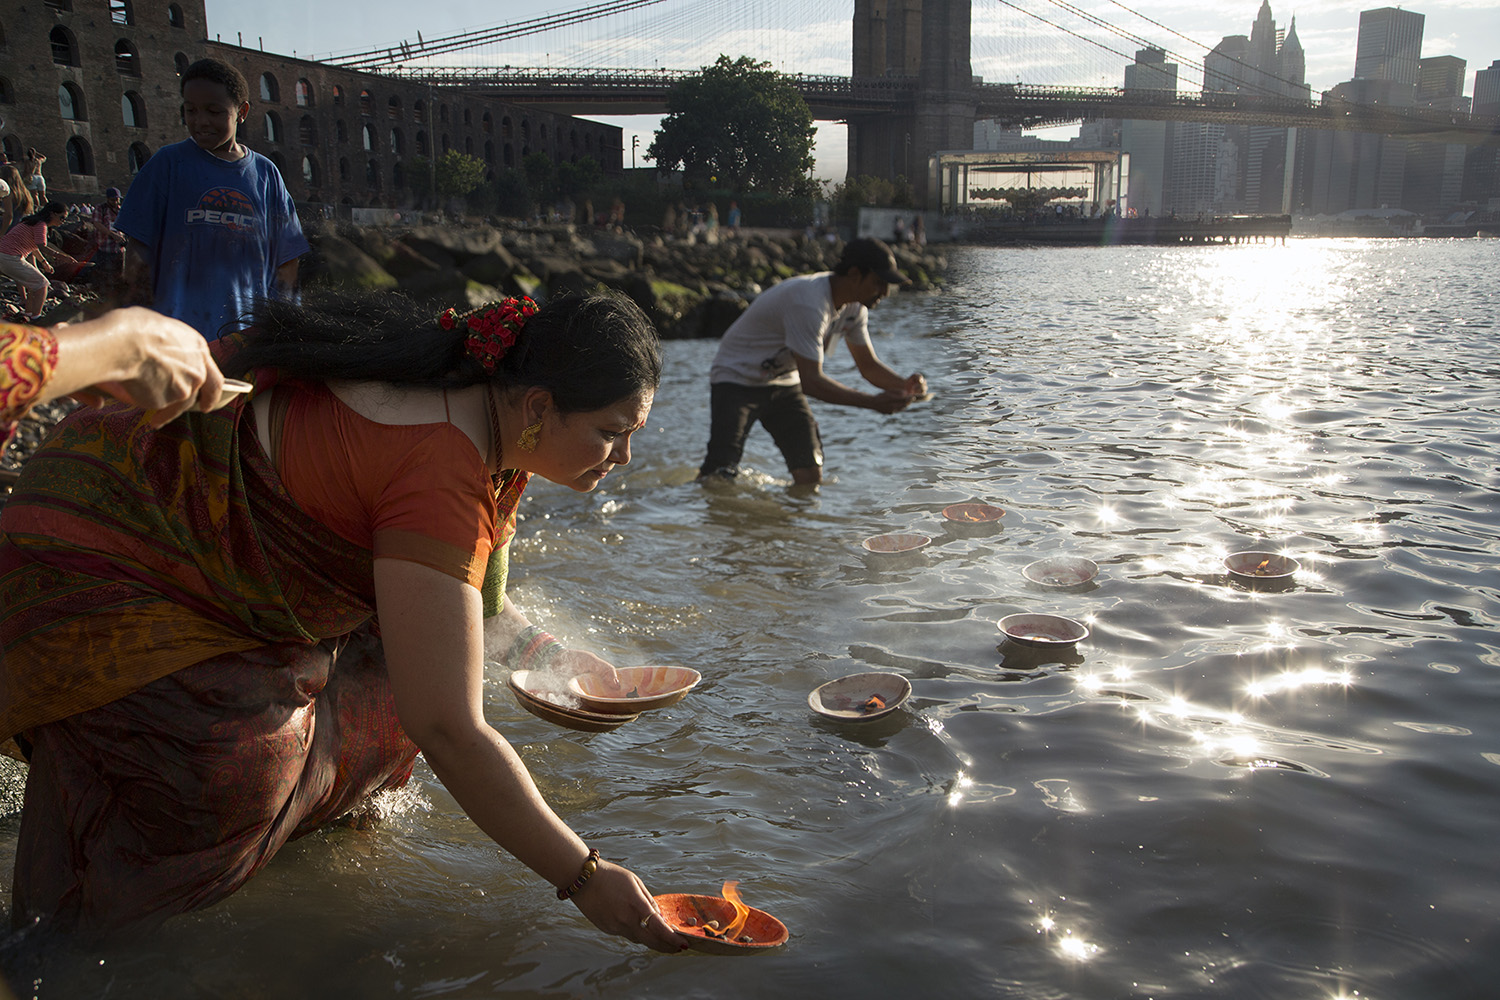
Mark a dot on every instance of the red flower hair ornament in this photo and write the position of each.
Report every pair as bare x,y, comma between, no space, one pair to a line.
492,329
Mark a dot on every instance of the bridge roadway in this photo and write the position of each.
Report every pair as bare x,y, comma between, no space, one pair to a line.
842,98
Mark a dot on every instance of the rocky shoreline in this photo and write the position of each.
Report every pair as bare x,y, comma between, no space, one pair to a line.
690,287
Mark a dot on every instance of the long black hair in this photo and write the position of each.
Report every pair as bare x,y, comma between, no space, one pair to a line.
47,211
588,351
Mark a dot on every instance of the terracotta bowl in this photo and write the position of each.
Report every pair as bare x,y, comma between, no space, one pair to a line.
973,513
538,703
1043,630
690,914
1269,567
1061,571
641,689
895,544
847,698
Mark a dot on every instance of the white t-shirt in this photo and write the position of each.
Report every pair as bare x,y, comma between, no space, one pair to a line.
794,317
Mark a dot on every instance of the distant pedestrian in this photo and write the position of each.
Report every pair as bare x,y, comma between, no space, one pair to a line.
211,226
771,359
36,183
733,217
109,242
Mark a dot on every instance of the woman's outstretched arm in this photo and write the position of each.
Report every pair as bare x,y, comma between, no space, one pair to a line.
432,629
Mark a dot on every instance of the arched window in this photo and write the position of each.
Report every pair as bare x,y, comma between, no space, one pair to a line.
126,60
138,155
419,112
398,177
80,157
340,131
372,174
132,110
180,60
343,169
64,46
309,171
338,96
273,127
270,90
368,132
174,16
467,119
393,108
304,94
70,102
510,155
366,102
506,132
525,130
421,143
489,151
7,95
307,130
487,124
396,141
468,145
120,12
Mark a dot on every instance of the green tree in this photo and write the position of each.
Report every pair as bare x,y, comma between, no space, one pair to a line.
458,174
737,126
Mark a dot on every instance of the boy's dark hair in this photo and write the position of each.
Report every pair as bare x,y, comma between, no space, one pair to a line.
220,72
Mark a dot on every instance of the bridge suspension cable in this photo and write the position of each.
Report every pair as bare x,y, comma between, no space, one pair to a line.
405,51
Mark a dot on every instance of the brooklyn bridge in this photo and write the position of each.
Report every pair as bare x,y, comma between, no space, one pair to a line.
912,92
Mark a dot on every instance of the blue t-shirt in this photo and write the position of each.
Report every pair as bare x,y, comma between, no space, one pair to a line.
214,231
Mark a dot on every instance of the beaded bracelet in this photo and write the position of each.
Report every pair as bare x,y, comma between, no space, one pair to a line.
590,865
533,644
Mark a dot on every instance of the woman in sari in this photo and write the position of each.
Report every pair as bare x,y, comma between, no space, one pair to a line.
225,632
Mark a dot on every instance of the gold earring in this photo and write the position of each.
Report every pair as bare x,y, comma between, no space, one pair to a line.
529,436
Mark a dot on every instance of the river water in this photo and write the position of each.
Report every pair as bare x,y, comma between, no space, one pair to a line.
1223,791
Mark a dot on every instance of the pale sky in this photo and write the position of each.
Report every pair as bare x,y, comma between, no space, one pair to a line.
814,36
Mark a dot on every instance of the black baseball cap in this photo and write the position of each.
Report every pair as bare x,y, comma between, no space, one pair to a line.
872,256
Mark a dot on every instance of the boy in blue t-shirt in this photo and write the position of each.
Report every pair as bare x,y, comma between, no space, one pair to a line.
211,225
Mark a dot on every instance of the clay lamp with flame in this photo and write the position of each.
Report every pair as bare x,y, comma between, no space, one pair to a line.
1264,569
860,697
722,925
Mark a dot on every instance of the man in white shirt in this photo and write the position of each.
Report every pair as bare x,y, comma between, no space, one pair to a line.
771,359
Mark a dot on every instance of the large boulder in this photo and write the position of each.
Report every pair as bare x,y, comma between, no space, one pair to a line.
492,267
457,244
449,287
345,265
622,248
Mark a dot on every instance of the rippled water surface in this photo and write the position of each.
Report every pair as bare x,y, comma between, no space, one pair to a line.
1223,791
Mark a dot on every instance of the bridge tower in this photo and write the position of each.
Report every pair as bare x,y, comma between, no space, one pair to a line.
924,43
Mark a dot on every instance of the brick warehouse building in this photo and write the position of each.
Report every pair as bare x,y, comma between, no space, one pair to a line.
93,85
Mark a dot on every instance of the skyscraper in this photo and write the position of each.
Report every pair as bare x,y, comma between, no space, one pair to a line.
1246,168
1149,143
1482,164
1389,46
